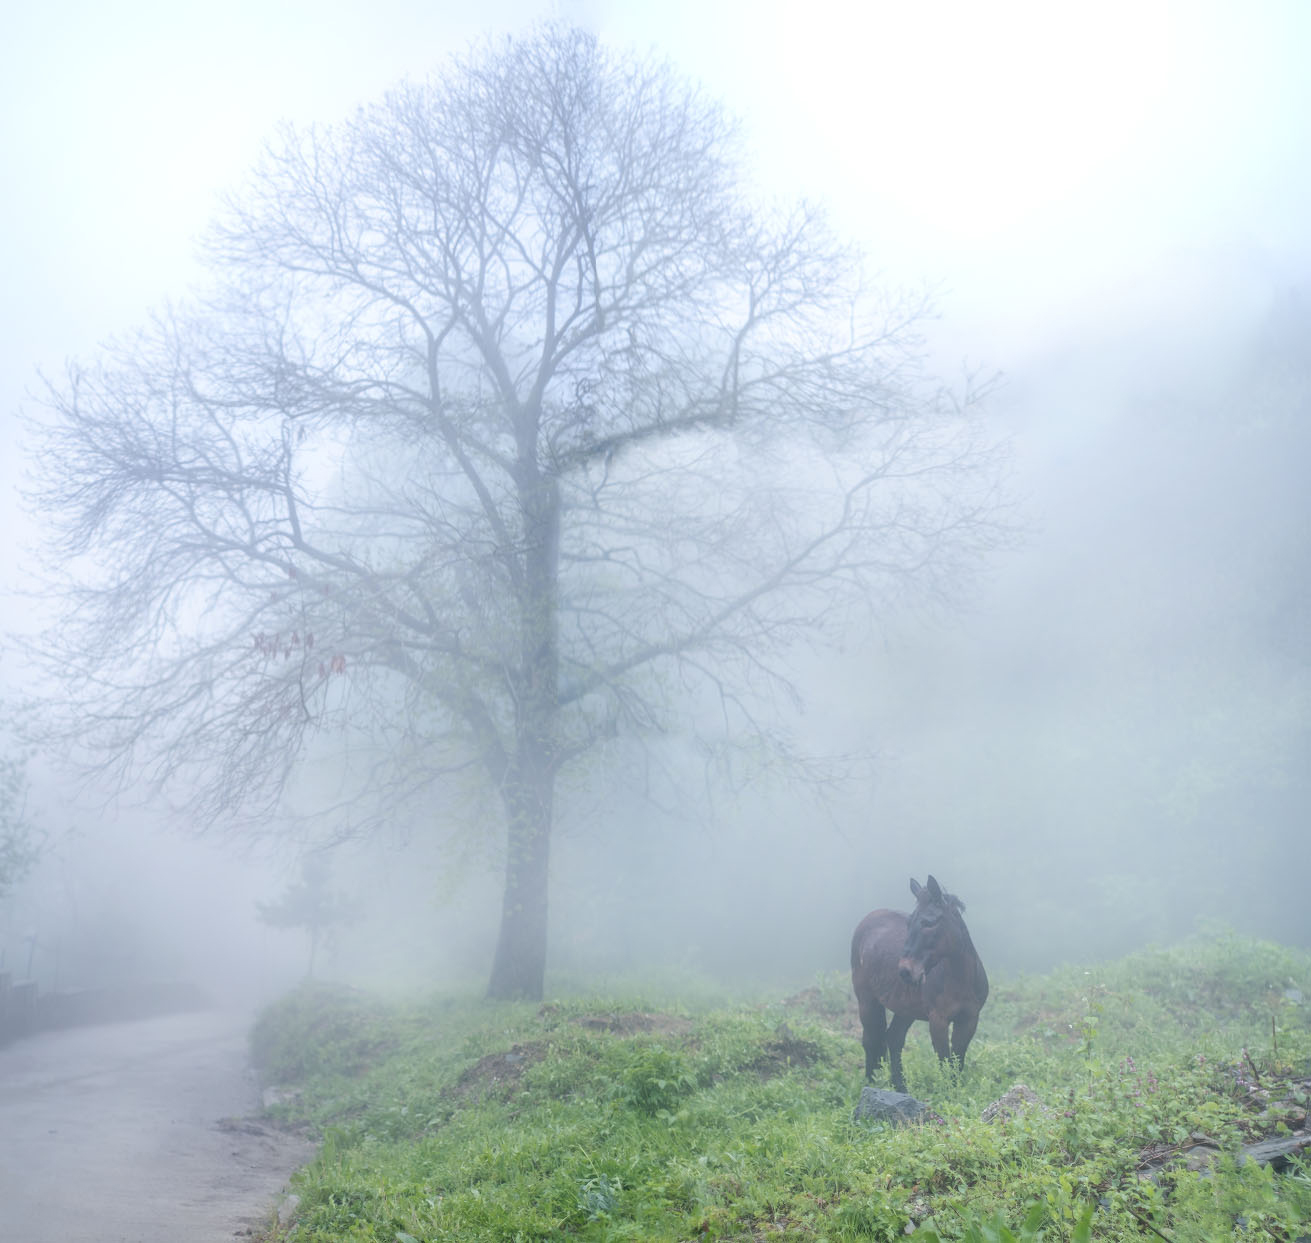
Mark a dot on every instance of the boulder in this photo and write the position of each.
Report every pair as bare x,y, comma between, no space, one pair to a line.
895,1108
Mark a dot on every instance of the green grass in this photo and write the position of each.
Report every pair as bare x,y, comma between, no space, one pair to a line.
628,1118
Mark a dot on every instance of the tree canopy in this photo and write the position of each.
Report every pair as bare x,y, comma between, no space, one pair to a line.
511,423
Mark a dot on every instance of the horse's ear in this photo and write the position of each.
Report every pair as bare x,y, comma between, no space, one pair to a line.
915,887
935,892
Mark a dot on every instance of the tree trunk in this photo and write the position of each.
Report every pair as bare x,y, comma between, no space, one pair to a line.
519,968
528,785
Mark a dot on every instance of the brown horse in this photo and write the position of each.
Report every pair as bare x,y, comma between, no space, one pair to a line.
919,967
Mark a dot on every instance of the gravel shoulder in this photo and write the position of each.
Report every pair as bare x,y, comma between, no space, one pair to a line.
138,1132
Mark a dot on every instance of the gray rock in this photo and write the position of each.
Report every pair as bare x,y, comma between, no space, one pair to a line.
1018,1100
897,1108
1276,1151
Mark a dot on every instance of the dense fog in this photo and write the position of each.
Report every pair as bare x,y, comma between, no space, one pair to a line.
1102,742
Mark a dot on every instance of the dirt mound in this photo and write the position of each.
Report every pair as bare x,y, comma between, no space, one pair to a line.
497,1074
783,1053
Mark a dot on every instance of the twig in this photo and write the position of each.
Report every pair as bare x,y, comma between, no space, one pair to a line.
1247,1057
1144,1222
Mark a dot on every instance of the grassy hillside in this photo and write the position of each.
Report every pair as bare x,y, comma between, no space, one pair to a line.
637,1118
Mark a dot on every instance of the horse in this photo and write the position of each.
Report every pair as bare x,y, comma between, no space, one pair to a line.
921,966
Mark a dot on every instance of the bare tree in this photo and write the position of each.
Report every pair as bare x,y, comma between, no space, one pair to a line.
509,424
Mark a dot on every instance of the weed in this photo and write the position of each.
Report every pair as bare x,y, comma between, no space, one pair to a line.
654,1079
598,1196
1031,1229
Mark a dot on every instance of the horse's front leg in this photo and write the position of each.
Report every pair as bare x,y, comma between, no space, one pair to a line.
897,1030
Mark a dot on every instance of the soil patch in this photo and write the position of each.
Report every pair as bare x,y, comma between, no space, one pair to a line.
497,1074
784,1053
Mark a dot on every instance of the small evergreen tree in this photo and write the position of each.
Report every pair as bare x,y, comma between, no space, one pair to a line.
308,903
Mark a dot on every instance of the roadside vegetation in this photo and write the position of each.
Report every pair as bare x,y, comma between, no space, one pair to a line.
651,1118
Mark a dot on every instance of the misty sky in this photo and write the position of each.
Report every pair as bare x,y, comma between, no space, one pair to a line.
1044,166
1059,173
1027,155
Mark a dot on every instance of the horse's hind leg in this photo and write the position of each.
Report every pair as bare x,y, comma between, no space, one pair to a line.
897,1030
962,1032
873,1026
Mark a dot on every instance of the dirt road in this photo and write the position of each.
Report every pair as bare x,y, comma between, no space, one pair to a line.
134,1133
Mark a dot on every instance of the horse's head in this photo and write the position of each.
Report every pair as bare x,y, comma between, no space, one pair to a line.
934,930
